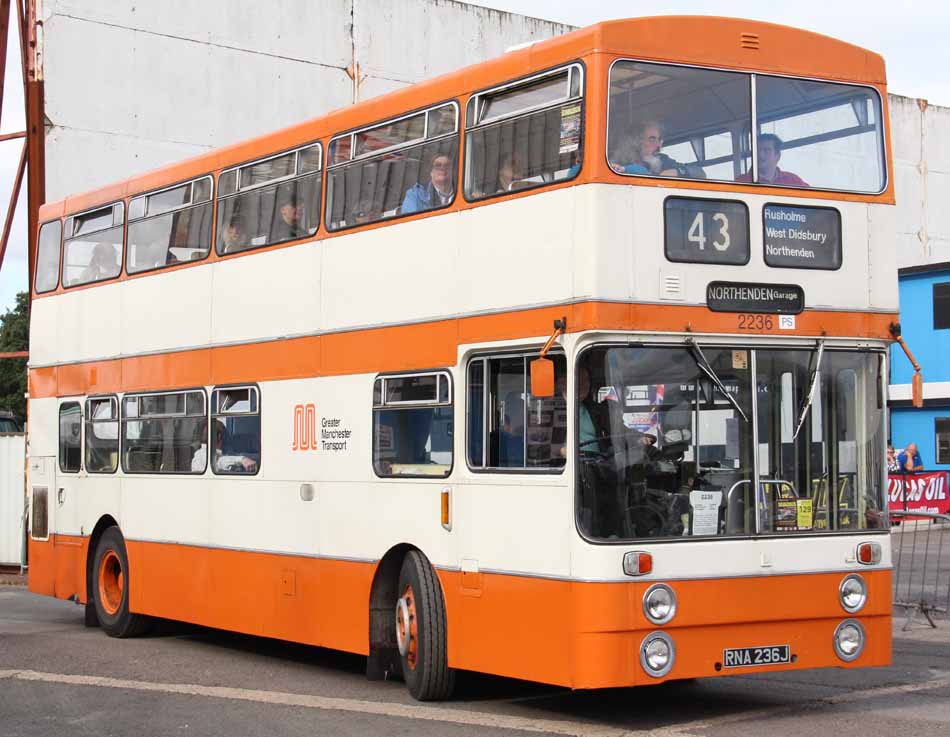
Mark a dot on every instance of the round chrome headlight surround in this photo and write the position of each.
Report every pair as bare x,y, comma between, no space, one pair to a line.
659,603
849,640
852,593
657,654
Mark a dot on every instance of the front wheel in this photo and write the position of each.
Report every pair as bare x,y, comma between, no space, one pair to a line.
421,631
111,588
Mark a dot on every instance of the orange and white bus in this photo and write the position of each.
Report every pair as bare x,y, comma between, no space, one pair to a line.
295,387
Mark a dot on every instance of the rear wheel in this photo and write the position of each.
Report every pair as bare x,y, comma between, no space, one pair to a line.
421,631
111,588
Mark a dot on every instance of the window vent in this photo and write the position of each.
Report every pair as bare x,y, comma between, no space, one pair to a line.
671,286
749,41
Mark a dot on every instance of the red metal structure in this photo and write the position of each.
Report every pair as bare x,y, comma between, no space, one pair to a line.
32,154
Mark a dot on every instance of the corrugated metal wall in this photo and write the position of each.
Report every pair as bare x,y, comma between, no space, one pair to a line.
12,498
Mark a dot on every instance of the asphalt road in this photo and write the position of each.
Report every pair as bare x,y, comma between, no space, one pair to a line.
58,677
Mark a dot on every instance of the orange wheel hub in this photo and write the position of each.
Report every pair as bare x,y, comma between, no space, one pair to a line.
111,582
407,634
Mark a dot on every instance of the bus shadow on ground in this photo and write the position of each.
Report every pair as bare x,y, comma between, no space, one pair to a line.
665,704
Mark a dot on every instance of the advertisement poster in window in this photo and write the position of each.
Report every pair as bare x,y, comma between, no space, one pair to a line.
570,129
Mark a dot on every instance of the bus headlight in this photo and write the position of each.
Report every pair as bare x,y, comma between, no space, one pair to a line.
853,593
657,654
659,603
849,640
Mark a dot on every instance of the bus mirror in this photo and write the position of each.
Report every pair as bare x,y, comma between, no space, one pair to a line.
917,388
542,377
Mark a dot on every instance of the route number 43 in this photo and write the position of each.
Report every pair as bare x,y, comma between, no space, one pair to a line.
697,231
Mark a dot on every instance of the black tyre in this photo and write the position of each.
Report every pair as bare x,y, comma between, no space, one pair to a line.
110,588
421,631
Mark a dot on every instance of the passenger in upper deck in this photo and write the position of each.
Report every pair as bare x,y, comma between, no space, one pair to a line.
290,225
640,154
439,191
769,152
234,236
103,265
511,171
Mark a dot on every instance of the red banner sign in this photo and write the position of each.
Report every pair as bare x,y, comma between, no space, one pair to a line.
923,492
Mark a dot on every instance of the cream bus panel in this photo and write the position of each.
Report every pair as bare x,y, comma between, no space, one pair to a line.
266,295
882,256
517,253
88,323
317,430
401,273
44,338
169,309
44,426
599,242
639,229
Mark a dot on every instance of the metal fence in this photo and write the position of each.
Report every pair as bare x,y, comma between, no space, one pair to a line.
921,555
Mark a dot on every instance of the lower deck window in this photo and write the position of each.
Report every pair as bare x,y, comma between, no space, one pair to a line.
70,437
102,435
507,427
235,431
163,433
412,425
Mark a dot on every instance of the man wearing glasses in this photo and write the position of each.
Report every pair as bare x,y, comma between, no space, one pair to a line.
438,192
641,154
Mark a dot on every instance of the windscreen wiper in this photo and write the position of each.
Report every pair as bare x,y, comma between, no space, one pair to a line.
812,384
707,369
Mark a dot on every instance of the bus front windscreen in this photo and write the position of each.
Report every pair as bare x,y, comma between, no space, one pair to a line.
672,443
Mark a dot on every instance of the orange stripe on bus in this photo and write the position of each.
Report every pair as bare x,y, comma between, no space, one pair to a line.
425,345
569,633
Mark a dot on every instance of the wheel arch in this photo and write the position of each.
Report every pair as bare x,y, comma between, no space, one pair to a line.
383,660
105,522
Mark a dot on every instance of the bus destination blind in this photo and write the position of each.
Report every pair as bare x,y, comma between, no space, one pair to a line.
775,299
801,237
706,231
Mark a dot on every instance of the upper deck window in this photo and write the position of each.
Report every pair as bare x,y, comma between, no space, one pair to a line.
270,201
398,167
683,122
47,259
819,134
673,121
525,134
169,226
93,247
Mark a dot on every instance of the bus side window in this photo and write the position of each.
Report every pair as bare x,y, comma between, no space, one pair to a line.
70,446
169,227
269,201
399,167
512,145
102,435
47,260
236,430
413,425
510,428
161,432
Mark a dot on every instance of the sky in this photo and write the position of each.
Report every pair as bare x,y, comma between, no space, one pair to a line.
913,37
13,270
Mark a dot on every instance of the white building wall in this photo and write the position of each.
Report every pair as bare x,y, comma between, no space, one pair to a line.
134,86
12,498
920,135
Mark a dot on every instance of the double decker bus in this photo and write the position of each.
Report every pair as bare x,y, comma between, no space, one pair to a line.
568,366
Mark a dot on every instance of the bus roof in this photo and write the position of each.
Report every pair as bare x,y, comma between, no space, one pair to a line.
728,43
